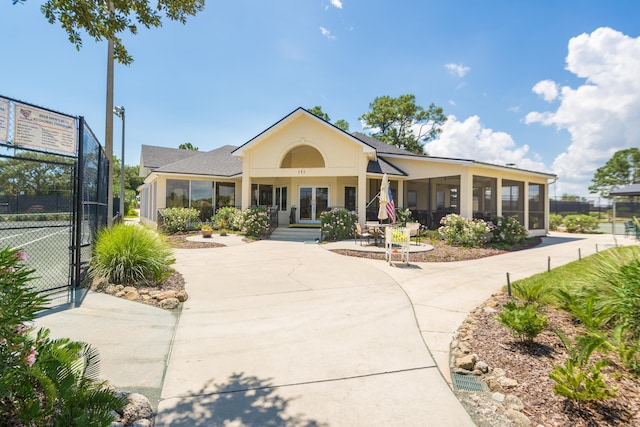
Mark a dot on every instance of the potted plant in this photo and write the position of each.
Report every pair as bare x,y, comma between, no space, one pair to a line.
206,230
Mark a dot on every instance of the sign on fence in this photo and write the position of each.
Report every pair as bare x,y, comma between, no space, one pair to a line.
37,128
4,120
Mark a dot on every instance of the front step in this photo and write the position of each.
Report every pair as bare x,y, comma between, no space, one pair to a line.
286,234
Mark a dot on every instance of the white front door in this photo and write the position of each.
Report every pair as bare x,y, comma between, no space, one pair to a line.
312,201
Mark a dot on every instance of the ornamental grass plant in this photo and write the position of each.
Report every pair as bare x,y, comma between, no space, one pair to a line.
131,255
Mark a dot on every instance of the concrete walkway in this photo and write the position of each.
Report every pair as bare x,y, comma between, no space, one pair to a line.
291,334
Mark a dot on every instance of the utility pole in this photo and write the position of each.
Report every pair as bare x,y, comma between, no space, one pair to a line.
119,111
108,130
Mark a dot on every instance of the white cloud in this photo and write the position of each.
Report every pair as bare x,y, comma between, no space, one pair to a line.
601,114
548,89
336,3
468,139
325,32
457,69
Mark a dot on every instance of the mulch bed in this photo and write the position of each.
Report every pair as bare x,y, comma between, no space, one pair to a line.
530,365
443,253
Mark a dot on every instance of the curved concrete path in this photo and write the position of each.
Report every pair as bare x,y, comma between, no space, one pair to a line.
291,334
283,334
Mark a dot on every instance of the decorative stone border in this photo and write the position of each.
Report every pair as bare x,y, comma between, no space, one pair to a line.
496,407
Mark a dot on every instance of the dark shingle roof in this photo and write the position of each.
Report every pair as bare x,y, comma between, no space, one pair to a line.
154,157
383,147
218,162
629,190
383,166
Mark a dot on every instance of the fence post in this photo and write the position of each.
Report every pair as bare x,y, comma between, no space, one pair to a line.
508,285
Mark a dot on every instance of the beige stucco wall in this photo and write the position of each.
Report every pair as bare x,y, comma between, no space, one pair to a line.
342,155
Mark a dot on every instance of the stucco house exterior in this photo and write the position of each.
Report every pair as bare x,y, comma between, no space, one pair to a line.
302,165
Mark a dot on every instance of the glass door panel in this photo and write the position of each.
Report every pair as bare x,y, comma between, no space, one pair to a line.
322,201
306,204
312,202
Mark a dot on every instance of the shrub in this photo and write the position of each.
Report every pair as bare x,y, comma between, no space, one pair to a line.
555,221
614,280
228,217
402,217
523,321
577,379
580,223
256,222
130,255
507,230
338,224
177,220
44,381
458,231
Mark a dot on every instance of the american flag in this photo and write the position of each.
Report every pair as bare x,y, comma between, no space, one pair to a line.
391,208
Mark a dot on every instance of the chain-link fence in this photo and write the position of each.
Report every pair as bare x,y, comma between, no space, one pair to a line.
601,208
52,191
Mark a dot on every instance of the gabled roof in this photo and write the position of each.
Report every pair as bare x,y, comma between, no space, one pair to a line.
218,162
291,116
154,157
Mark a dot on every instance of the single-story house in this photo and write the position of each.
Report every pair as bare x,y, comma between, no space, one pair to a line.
303,165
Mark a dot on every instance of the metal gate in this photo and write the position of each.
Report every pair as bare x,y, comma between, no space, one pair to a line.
53,194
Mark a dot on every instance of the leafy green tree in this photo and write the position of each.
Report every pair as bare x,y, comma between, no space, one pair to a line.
342,124
572,198
393,120
34,174
621,169
187,146
317,111
132,178
104,20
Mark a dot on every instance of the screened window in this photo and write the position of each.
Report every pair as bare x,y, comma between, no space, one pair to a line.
202,198
225,194
536,206
350,198
484,197
261,195
513,200
281,198
177,193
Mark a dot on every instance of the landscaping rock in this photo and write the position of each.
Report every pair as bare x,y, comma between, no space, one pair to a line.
182,295
513,402
169,303
466,362
165,295
518,418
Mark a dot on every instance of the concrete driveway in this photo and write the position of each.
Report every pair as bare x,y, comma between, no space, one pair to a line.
290,334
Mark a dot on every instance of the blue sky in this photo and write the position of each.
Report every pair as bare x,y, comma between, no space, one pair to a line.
548,85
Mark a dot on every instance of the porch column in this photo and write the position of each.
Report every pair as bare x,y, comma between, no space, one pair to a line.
466,194
526,205
401,194
499,196
246,191
362,197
